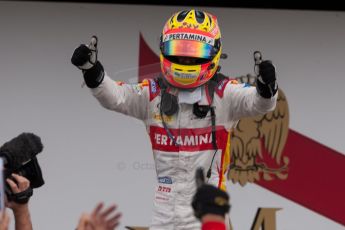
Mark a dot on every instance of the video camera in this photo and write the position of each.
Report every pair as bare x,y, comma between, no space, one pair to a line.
19,156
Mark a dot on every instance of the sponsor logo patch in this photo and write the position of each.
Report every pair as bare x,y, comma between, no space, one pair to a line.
189,36
165,180
164,189
184,75
167,119
153,87
191,140
137,88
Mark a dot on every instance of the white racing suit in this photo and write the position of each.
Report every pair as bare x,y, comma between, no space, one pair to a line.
176,164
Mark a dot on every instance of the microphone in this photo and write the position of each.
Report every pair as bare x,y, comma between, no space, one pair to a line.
20,150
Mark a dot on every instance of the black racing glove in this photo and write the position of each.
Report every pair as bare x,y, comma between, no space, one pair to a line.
266,83
81,56
85,58
209,199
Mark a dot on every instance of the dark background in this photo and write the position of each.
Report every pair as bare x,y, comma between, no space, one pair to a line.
329,5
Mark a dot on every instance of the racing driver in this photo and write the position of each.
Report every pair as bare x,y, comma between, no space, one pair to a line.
189,109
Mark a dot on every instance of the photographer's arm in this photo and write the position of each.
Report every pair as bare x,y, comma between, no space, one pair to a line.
21,212
4,220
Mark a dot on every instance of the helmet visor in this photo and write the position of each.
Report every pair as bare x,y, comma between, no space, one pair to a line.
188,48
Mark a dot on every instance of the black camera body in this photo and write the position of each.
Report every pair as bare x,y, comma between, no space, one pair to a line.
19,156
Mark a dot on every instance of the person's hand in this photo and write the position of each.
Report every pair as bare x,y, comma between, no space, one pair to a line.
4,220
21,191
266,83
84,222
85,56
99,219
107,219
19,186
208,199
267,72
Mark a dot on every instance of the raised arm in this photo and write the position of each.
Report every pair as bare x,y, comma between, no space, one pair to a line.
245,100
129,99
20,187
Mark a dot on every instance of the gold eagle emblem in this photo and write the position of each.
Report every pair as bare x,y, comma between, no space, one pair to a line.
255,136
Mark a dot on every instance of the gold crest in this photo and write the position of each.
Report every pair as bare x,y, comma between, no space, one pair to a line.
254,135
